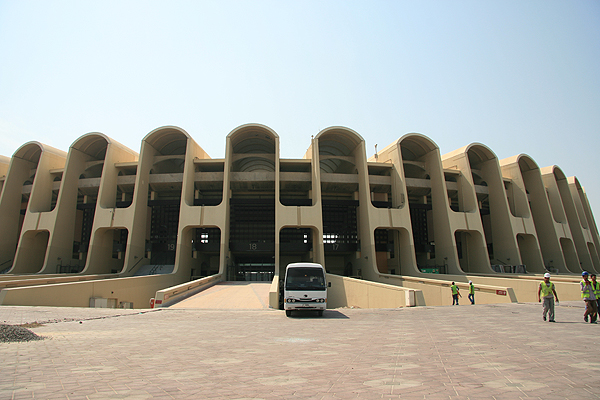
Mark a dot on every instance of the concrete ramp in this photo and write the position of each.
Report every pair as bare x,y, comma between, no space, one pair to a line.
230,295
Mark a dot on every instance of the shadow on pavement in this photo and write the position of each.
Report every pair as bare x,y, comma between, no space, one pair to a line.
311,314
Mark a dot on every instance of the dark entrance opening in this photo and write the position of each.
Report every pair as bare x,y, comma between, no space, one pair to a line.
252,268
252,239
163,231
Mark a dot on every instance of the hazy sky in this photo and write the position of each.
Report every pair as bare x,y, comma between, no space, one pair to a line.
517,76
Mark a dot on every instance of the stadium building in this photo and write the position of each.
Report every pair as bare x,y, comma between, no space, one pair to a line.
103,224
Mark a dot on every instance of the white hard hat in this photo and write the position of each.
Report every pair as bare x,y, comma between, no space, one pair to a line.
547,275
470,282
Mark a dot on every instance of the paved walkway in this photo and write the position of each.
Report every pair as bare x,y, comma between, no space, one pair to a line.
465,352
230,295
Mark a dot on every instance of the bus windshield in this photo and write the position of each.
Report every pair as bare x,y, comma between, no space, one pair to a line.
305,278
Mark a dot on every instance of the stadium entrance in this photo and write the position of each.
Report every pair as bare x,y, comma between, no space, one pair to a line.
252,268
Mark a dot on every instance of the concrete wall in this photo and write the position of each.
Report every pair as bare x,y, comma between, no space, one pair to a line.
436,292
350,292
138,290
168,296
37,280
519,288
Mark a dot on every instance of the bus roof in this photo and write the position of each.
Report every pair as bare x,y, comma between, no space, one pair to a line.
304,265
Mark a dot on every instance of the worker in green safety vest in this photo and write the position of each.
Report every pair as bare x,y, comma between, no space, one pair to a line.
588,295
596,289
547,292
455,294
471,292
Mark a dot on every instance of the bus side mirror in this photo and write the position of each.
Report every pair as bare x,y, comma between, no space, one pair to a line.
328,284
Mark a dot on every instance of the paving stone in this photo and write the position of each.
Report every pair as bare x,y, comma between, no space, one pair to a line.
476,352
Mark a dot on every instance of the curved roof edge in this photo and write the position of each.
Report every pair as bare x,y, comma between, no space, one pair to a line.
23,149
516,159
486,149
575,181
341,129
555,170
166,129
110,141
489,153
246,127
420,138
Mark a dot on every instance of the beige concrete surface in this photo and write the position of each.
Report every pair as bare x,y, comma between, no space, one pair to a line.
349,292
230,295
138,290
502,351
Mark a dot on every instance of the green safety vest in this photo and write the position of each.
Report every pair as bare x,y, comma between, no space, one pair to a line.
454,289
586,289
596,289
471,289
546,289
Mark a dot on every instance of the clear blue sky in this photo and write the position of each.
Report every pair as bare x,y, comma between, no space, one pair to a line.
517,76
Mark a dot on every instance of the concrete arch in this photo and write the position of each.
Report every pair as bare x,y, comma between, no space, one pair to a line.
81,182
557,192
483,164
343,178
251,187
518,168
466,174
593,228
580,212
250,138
168,140
429,204
34,171
584,236
167,166
479,153
297,247
32,260
30,151
254,147
558,172
337,146
531,201
416,145
341,135
526,163
470,245
92,171
93,144
247,129
36,161
480,166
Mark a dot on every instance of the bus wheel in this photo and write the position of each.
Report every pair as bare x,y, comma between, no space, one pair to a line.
320,313
288,313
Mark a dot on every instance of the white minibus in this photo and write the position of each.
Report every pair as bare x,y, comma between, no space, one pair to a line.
305,288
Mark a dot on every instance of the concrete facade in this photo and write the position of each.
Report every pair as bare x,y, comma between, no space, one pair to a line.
170,214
